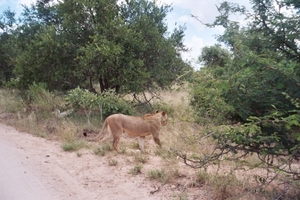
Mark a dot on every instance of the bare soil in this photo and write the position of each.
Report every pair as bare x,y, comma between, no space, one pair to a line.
38,168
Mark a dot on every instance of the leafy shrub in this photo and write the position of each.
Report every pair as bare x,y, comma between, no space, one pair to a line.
10,101
112,103
107,102
80,98
162,106
38,98
207,100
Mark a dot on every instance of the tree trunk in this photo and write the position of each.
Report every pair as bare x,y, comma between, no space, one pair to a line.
102,84
91,88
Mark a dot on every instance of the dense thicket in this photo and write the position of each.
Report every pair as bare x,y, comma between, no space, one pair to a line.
122,46
254,79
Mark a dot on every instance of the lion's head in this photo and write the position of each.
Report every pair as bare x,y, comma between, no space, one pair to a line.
160,116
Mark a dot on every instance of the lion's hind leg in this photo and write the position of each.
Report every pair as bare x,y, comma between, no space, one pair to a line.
115,142
105,137
116,132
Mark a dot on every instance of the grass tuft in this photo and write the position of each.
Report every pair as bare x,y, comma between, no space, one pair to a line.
137,169
73,146
112,162
141,158
158,174
103,149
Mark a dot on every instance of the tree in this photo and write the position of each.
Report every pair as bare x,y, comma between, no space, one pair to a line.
259,87
135,54
7,23
122,46
214,56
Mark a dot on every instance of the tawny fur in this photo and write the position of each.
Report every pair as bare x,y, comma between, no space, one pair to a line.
117,124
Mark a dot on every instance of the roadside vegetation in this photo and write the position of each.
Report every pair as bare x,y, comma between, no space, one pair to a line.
233,125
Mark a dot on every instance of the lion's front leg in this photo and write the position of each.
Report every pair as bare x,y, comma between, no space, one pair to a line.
156,138
157,141
141,142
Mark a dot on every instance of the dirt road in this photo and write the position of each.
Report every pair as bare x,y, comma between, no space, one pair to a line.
36,168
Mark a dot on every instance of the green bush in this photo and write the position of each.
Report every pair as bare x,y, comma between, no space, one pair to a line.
207,99
162,106
112,103
107,102
38,98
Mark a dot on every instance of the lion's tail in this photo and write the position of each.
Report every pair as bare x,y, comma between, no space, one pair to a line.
101,133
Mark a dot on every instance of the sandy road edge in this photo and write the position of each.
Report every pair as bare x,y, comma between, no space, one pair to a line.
55,174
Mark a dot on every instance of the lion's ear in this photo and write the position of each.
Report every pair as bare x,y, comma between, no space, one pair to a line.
163,113
157,111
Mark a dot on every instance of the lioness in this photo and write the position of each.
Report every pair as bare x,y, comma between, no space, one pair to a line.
117,124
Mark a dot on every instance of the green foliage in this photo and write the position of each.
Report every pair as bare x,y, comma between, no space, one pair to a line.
46,60
80,98
256,85
207,100
276,134
7,49
163,106
254,77
107,103
113,103
69,44
10,101
214,56
38,98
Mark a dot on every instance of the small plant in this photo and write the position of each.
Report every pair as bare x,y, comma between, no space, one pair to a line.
135,145
103,149
78,154
99,151
112,162
141,158
137,169
182,196
73,146
201,178
106,147
158,174
122,149
224,186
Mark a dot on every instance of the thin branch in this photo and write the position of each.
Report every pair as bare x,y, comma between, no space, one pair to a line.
199,20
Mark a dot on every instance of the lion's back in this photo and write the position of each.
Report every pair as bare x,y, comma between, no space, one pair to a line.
131,124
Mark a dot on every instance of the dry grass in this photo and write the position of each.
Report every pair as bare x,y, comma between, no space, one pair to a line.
137,169
10,101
